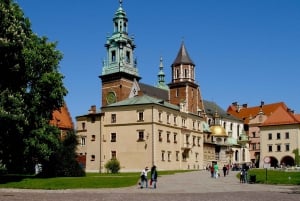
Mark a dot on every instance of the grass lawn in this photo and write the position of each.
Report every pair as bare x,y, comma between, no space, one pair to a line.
266,176
91,180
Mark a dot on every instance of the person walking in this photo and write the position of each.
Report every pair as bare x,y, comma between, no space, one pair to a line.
153,176
144,179
216,170
224,170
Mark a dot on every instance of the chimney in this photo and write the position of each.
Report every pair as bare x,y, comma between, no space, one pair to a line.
93,109
245,105
262,103
235,104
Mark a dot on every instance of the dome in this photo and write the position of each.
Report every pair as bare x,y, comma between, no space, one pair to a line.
218,131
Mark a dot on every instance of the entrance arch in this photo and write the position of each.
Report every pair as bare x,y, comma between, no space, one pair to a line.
287,161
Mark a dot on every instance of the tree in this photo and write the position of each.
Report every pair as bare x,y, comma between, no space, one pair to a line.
31,88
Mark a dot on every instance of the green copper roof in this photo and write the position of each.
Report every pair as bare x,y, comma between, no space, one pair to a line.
143,100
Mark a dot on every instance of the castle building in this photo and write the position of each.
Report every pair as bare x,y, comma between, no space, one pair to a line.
141,125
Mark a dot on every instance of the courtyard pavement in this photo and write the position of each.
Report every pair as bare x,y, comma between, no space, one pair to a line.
196,185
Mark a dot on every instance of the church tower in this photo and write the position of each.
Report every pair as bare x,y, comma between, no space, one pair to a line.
184,91
119,70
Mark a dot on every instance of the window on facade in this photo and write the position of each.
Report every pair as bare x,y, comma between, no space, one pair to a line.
183,122
194,141
287,135
199,140
83,125
270,148
163,155
113,118
278,147
177,155
93,119
113,155
128,57
287,147
253,134
270,136
141,136
278,136
231,126
187,139
169,156
177,93
160,135
253,146
175,138
168,137
113,137
82,143
168,118
194,125
92,157
159,116
93,137
175,120
224,125
196,155
141,116
113,56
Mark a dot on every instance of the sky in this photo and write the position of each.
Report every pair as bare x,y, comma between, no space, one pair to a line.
245,51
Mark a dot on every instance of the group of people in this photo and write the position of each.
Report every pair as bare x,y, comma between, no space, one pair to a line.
214,170
144,177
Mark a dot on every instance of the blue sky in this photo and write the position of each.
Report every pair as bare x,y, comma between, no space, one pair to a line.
244,50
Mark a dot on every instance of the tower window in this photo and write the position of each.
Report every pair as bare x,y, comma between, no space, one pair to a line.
128,57
113,56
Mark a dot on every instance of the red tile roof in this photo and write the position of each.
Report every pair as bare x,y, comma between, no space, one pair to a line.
246,113
62,118
281,116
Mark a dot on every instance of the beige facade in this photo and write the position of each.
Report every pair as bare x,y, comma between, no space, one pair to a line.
278,143
142,135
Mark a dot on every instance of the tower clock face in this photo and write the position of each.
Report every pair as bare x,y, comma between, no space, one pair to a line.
111,97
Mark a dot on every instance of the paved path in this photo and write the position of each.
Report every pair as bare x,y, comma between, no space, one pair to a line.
197,185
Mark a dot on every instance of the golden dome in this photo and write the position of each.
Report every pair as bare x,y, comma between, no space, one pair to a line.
218,131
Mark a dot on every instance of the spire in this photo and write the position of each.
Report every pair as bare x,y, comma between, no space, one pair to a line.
183,57
161,76
120,47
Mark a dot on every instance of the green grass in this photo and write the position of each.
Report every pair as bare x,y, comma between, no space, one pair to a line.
91,180
264,176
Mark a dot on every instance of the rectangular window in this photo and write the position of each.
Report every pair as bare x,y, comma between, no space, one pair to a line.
163,155
113,118
253,134
198,141
83,125
168,137
278,147
141,116
93,137
92,157
141,136
278,136
175,138
169,156
113,155
270,148
113,137
287,147
159,116
287,135
183,122
175,120
177,155
160,136
168,118
194,139
270,136
113,56
82,143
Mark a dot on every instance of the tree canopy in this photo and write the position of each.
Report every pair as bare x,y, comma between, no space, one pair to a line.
31,88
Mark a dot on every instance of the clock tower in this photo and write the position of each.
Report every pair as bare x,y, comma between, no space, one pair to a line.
119,70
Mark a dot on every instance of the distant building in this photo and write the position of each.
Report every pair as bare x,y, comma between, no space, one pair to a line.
262,123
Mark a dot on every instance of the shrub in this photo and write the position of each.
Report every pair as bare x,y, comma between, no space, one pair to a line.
113,166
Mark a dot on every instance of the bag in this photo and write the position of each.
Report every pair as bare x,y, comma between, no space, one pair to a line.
142,177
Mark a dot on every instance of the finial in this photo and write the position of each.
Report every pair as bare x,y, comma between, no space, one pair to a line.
120,1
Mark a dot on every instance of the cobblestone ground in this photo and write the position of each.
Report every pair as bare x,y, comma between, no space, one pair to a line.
183,186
